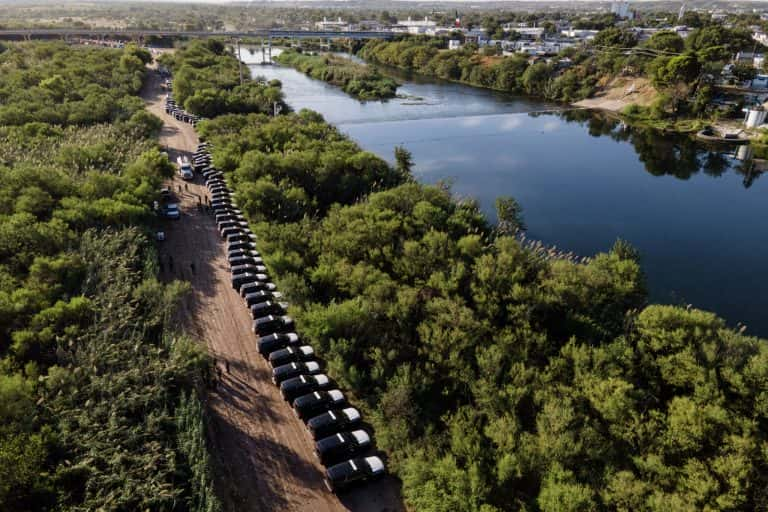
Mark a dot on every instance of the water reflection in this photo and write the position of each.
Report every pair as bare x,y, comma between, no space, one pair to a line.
668,154
584,179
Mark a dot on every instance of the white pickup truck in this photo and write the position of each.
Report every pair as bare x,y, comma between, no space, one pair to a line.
185,169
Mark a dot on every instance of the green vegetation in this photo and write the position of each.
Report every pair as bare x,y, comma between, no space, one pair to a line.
57,84
98,397
206,81
678,69
498,374
358,80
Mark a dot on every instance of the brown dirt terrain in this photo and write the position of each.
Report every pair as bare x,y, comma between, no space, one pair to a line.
263,454
621,92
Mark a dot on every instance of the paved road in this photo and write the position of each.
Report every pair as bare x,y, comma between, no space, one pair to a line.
264,456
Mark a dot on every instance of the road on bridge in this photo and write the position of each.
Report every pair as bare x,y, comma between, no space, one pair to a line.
263,454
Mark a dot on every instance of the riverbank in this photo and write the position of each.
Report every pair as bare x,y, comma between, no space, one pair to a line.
394,285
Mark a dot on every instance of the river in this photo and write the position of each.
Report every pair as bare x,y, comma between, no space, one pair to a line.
696,214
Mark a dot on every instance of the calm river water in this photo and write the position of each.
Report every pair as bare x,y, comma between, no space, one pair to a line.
698,215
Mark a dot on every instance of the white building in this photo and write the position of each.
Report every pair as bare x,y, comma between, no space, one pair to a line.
332,25
579,33
529,32
454,44
760,37
426,23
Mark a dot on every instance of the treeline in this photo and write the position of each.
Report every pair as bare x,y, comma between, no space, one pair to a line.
356,79
498,374
680,69
58,84
97,394
206,81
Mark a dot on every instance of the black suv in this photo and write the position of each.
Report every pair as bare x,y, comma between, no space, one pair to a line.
353,471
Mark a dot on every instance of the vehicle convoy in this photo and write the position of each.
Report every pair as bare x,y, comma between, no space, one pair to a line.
340,442
290,370
342,446
303,384
272,342
333,421
343,475
312,404
291,354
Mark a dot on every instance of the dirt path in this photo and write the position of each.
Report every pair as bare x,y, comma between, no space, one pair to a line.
263,453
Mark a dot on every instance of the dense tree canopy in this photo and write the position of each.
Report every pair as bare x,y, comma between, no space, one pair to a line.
499,374
356,79
206,81
98,404
57,84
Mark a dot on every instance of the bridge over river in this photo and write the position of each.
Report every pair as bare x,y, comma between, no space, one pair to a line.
140,34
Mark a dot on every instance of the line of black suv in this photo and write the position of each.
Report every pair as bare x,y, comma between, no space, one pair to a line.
341,444
178,113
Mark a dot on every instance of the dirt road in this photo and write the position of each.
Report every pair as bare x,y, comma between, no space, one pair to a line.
264,456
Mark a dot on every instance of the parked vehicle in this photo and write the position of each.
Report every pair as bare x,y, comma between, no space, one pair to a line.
232,224
312,404
226,216
245,259
291,370
221,205
334,421
268,308
222,202
290,354
199,165
342,446
248,269
243,253
272,323
238,280
234,230
266,293
272,342
171,211
185,171
165,194
302,385
353,471
260,283
244,236
235,246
